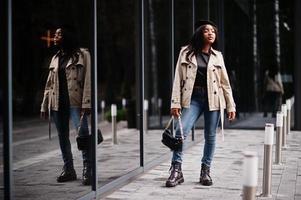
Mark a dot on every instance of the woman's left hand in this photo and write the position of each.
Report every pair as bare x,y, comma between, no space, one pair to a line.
231,116
86,111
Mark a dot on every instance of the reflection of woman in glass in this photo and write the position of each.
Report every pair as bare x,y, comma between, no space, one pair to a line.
273,89
201,85
67,95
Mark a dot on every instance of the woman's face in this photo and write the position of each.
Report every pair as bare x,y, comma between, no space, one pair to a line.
209,34
58,37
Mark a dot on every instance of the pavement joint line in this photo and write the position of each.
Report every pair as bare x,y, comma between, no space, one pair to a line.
46,156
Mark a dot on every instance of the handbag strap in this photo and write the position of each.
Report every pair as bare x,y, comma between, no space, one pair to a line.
180,124
181,127
169,122
81,119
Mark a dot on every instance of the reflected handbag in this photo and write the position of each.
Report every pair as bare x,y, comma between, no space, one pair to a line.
84,141
169,140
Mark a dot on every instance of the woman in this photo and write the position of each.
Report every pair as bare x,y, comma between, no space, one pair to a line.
201,85
273,89
67,95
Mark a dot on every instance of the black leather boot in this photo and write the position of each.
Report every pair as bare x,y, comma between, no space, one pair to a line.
87,174
176,175
68,174
205,178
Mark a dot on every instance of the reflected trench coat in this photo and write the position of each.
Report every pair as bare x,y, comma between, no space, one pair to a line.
78,77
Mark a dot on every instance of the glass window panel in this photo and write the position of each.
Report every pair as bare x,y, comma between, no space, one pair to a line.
118,56
38,160
157,74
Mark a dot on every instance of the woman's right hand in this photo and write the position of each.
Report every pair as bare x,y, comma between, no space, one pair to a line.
175,112
43,115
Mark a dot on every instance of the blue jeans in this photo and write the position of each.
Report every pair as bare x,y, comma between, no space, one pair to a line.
61,120
199,105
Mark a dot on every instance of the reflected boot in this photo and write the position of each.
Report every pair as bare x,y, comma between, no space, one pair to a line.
87,174
176,175
68,174
205,178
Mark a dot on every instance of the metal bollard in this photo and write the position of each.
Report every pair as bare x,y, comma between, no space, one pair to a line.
103,105
145,110
284,129
279,127
250,174
288,118
123,103
153,105
114,123
159,111
267,160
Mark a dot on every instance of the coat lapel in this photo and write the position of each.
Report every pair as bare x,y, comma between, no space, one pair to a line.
213,59
80,60
193,60
54,63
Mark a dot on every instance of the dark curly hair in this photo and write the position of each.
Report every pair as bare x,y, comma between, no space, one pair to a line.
70,44
196,42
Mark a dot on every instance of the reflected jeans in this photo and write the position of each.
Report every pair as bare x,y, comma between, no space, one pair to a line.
199,105
61,120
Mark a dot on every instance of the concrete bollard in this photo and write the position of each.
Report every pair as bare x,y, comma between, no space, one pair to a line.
288,118
123,101
145,111
250,174
103,105
267,160
159,111
114,123
279,127
284,129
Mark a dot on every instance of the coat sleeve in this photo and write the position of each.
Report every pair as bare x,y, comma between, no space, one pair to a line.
46,97
176,89
86,100
227,90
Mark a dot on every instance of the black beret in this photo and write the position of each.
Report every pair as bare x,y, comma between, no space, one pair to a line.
204,22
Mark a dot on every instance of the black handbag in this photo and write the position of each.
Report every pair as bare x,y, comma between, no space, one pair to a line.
84,141
169,140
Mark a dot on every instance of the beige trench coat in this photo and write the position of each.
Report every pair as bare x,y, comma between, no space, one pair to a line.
78,77
218,86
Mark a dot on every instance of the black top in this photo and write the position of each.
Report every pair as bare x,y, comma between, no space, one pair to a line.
201,76
64,103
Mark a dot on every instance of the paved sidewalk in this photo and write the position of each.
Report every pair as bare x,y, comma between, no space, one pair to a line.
226,172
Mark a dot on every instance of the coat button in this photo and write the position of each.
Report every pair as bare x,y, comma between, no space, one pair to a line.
187,77
214,81
214,92
75,90
74,78
189,66
185,89
214,70
53,93
73,68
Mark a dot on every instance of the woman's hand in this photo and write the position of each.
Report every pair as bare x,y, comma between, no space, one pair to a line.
43,115
175,112
231,116
86,111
